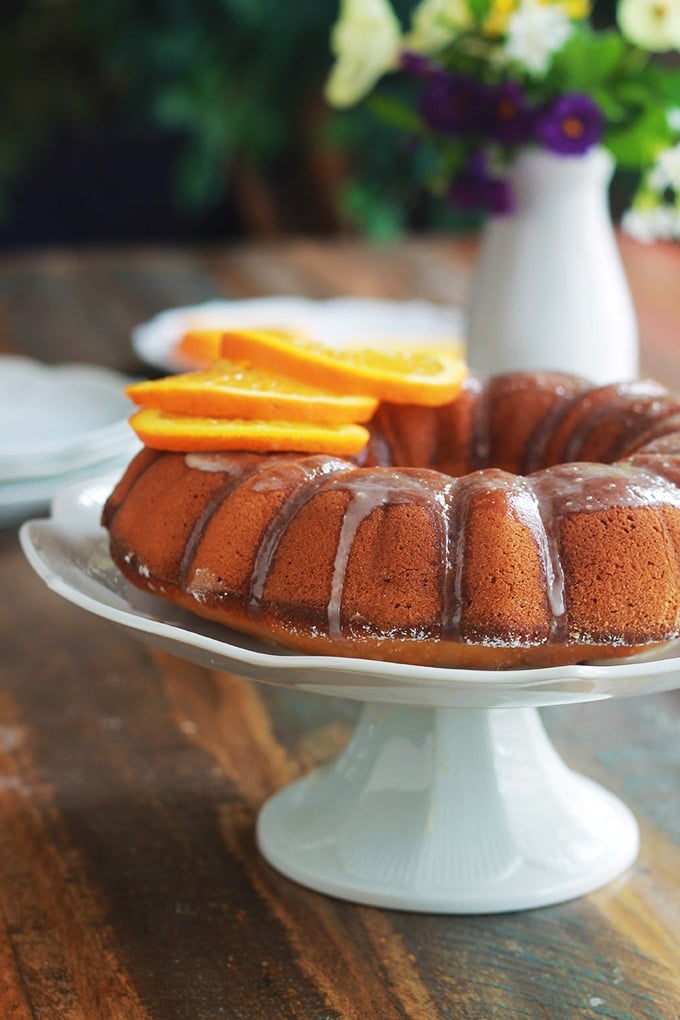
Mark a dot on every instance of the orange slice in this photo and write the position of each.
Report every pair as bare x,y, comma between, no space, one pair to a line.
231,389
430,376
198,348
187,433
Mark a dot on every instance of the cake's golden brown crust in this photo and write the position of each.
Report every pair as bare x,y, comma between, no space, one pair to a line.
462,537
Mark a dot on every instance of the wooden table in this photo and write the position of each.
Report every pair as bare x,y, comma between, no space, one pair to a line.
130,886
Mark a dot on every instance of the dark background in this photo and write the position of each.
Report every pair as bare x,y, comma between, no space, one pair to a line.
177,120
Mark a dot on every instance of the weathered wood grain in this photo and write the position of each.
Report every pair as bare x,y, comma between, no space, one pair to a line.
130,884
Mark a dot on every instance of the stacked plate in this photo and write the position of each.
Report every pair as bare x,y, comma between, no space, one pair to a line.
58,423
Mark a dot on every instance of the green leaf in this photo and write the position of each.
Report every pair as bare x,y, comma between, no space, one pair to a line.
613,109
587,60
480,9
634,92
395,113
638,143
378,218
664,82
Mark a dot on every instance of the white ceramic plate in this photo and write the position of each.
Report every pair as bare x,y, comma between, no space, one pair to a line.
55,419
70,552
336,322
29,497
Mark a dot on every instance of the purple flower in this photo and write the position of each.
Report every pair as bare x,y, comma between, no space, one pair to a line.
453,104
510,120
417,66
474,188
571,125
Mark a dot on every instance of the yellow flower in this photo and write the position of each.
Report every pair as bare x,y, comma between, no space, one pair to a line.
651,24
436,23
576,8
366,41
502,10
499,16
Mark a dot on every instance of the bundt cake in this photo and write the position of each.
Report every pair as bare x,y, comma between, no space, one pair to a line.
533,521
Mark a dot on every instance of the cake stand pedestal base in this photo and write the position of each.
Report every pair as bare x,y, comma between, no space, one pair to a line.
448,811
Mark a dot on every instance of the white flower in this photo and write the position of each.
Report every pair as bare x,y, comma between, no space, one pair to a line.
653,223
535,31
666,171
436,23
651,24
366,41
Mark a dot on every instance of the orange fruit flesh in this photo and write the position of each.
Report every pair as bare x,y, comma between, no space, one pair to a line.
163,431
235,390
429,376
198,348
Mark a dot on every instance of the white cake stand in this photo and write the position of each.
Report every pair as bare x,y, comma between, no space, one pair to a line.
449,798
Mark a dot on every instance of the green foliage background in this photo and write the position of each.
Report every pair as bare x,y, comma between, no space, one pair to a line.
237,80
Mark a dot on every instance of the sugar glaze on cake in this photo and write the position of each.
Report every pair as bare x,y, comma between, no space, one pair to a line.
533,521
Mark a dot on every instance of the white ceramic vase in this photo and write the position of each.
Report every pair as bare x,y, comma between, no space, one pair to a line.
550,291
